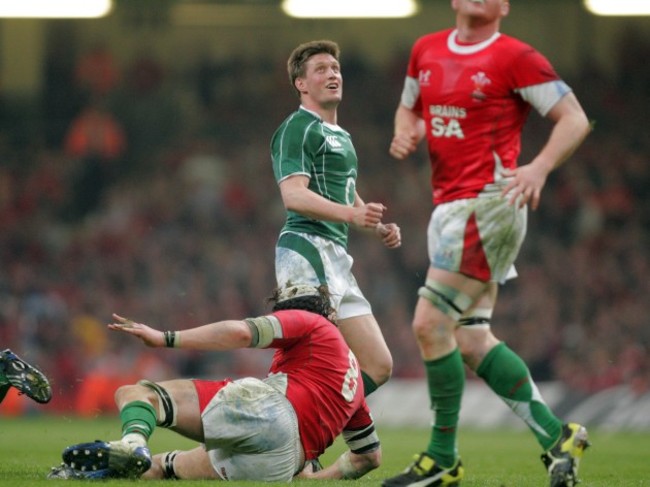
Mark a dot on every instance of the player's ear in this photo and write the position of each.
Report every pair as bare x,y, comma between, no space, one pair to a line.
505,8
300,85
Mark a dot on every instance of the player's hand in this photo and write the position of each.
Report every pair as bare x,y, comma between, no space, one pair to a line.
150,336
390,234
311,467
402,145
525,186
368,215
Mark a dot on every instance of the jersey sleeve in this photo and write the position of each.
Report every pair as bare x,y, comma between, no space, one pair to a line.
359,434
290,150
280,329
411,92
536,81
531,68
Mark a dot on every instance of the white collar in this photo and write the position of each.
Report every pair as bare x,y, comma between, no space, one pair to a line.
471,48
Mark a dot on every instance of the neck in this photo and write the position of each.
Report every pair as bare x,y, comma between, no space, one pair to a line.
327,113
473,32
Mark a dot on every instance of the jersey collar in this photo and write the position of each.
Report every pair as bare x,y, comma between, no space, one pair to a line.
457,48
331,126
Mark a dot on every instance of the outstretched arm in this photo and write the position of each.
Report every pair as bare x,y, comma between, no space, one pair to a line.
222,335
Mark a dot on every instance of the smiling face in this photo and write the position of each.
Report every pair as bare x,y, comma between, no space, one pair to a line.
322,83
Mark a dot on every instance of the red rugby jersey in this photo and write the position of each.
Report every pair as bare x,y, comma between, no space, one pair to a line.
468,96
324,380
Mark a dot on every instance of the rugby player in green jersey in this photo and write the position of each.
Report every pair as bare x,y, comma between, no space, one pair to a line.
316,166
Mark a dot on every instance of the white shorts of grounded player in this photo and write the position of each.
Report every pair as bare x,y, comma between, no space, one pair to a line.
299,265
478,237
251,433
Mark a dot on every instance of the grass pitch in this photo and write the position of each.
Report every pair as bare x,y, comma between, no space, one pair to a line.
29,446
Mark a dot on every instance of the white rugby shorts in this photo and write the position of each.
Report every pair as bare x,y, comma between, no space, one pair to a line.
479,237
251,432
322,260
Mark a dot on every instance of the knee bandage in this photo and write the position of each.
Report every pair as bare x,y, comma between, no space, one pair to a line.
447,299
167,408
478,317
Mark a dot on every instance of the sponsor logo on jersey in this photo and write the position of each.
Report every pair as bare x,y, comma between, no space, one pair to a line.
480,81
445,121
333,142
448,111
424,77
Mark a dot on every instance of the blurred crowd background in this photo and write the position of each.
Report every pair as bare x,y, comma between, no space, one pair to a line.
136,188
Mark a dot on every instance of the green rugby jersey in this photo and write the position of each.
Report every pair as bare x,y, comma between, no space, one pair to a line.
305,145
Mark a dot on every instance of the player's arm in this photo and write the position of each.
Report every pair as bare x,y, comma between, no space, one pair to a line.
409,127
297,197
348,466
389,233
570,128
364,455
218,336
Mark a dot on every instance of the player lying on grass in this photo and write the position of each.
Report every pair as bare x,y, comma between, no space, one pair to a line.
269,429
27,379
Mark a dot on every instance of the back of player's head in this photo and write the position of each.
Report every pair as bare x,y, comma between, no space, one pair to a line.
308,298
301,54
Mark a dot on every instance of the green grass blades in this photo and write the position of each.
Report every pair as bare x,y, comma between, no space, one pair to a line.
29,446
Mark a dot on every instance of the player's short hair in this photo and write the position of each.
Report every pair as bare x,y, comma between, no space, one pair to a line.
308,298
301,54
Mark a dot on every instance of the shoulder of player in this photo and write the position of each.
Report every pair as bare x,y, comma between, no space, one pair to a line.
514,46
302,120
438,36
297,122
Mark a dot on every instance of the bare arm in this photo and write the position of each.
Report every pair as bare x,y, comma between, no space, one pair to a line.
409,131
222,335
348,466
571,127
297,197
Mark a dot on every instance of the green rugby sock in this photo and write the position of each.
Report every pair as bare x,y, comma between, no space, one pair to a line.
369,385
508,376
138,417
446,381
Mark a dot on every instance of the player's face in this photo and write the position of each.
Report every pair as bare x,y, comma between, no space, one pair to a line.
323,82
481,10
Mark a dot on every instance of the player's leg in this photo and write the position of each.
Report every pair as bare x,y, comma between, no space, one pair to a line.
23,376
187,465
143,406
442,300
170,404
364,337
455,252
504,371
508,376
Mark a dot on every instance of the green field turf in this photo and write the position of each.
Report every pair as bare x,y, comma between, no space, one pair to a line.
30,446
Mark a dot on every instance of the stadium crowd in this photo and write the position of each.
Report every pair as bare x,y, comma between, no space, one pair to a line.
153,196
